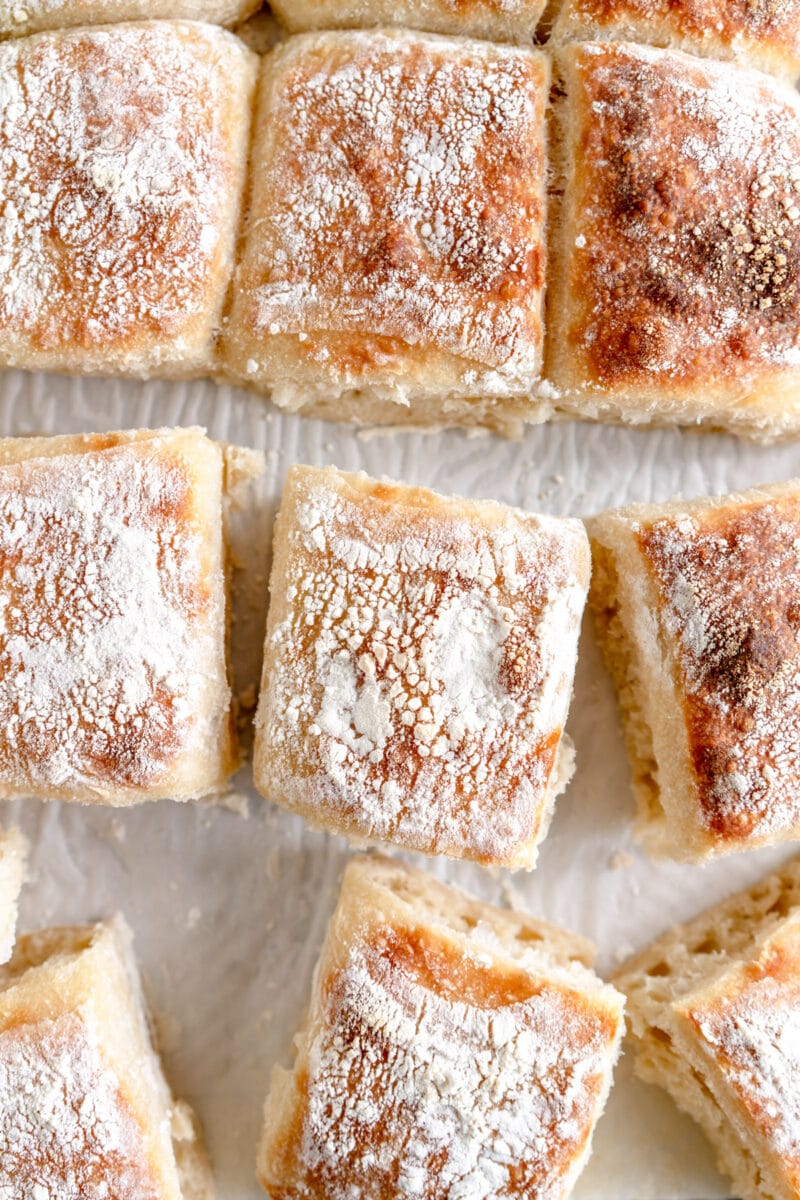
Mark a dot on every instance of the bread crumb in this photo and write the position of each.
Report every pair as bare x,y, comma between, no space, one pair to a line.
235,802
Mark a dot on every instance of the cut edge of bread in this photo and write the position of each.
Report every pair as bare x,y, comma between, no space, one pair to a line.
415,895
625,611
687,958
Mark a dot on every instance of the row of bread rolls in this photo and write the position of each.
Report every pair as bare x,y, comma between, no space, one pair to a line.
390,259
766,35
419,656
450,1048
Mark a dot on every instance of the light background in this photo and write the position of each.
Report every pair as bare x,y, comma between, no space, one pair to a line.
229,910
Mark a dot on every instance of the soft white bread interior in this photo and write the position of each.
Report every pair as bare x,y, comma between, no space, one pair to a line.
741,961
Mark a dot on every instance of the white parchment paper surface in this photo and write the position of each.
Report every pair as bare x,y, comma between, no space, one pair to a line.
229,903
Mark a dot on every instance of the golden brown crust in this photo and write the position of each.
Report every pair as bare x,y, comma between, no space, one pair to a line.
677,289
728,581
122,154
84,1107
747,1023
112,618
696,610
418,665
765,32
395,231
529,1047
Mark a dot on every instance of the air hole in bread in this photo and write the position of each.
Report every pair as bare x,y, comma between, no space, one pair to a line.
709,945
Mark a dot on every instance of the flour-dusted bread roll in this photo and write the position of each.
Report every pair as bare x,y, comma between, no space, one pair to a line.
763,33
13,855
21,17
676,249
114,685
122,158
85,1110
714,1010
393,261
450,1049
698,610
494,20
418,666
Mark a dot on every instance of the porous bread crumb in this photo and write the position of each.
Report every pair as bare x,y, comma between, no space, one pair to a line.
714,1012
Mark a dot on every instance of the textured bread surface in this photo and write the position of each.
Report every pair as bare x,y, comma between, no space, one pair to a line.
493,20
392,267
33,16
765,34
413,974
713,1008
84,1106
675,245
697,610
113,617
418,666
122,158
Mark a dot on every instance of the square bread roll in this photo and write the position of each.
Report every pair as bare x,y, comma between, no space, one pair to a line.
21,17
675,292
85,1110
494,20
13,856
418,666
698,610
764,33
122,158
114,684
714,1011
393,262
450,1049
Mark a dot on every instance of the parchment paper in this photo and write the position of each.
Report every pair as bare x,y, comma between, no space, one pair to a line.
229,904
